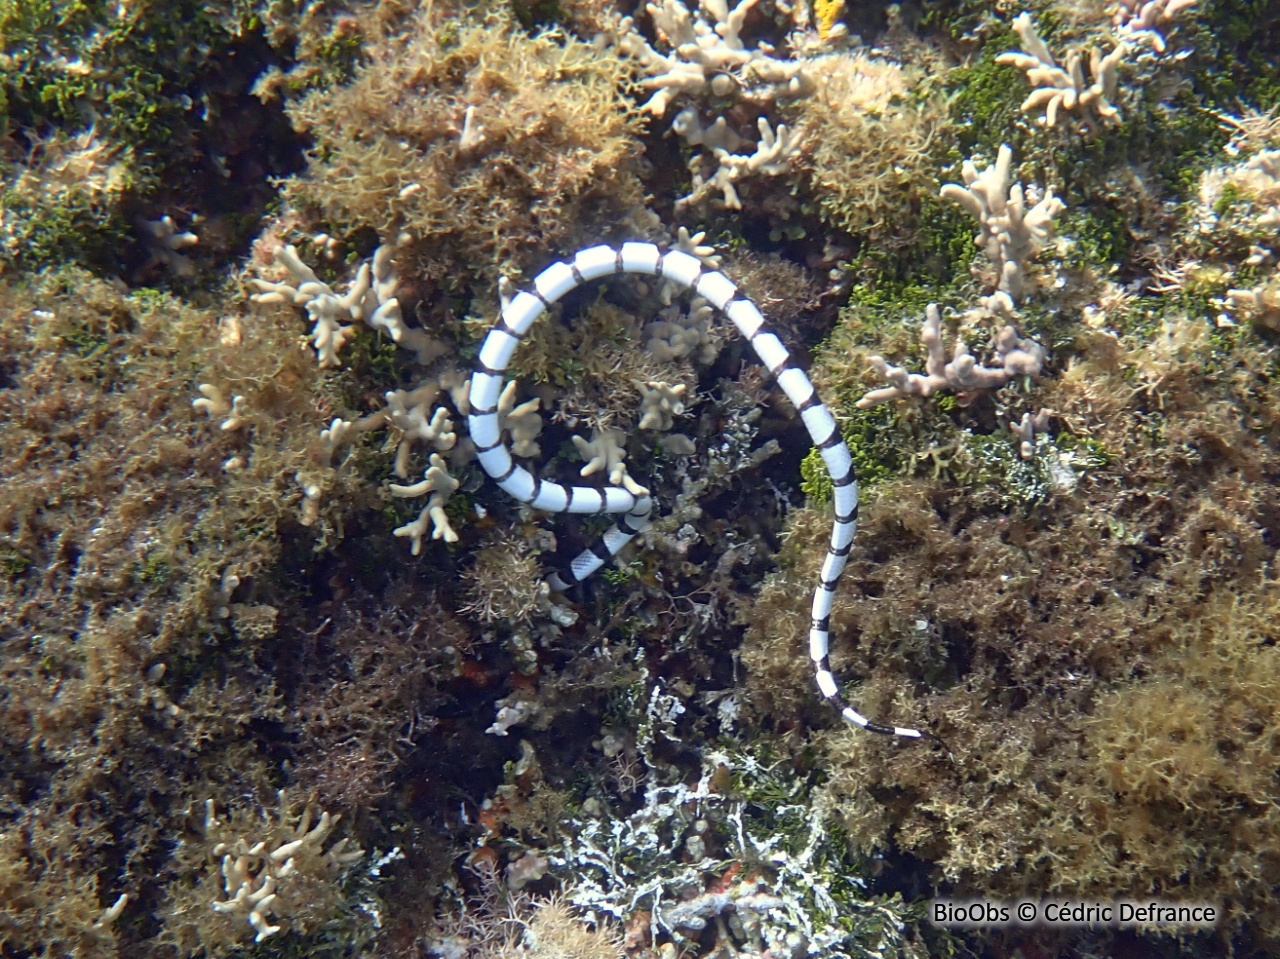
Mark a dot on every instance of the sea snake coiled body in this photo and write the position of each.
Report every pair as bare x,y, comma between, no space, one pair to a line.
686,271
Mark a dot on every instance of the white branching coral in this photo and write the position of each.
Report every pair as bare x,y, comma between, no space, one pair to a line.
369,298
1010,233
1142,20
440,485
679,334
708,60
693,245
313,486
962,374
213,403
164,242
660,403
1254,189
606,453
1028,429
718,136
334,438
707,56
521,420
408,413
772,156
1065,90
1260,304
266,873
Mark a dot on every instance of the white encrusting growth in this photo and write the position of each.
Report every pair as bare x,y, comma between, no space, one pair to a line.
634,503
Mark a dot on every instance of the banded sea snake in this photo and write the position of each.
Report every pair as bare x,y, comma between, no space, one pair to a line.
687,272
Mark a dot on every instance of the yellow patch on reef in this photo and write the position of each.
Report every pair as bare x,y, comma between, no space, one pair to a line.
827,12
